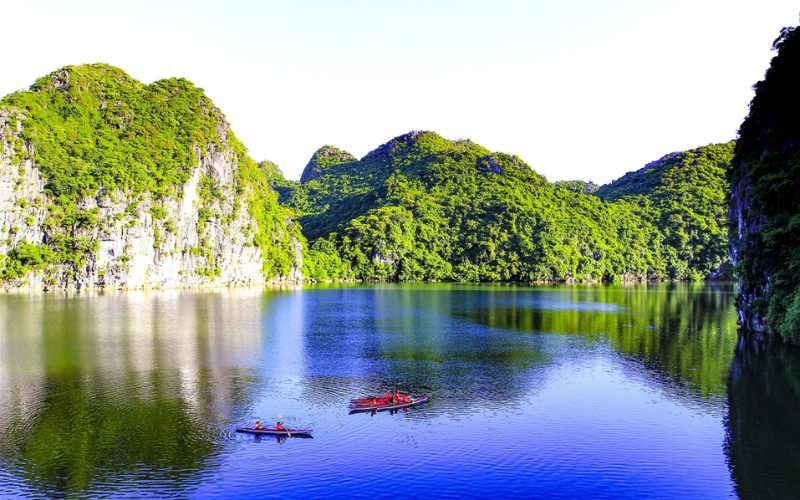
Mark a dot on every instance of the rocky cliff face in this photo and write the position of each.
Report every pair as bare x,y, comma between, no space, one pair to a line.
141,243
200,232
765,206
746,227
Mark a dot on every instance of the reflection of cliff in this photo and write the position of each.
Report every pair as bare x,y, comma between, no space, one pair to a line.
763,438
130,385
683,332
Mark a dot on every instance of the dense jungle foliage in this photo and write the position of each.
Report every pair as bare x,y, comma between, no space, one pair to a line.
685,196
765,181
92,129
421,207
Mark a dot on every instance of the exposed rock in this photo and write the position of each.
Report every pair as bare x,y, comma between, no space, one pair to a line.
764,207
186,239
489,164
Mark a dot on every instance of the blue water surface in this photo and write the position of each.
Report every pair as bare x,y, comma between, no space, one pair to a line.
558,391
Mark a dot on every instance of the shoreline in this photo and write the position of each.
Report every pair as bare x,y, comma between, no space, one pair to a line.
300,284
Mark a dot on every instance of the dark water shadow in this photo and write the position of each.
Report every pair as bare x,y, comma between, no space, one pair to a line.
763,425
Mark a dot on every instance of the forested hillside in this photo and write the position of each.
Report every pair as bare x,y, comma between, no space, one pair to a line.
684,195
421,207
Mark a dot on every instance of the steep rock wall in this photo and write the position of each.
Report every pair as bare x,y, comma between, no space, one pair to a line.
745,229
765,206
201,235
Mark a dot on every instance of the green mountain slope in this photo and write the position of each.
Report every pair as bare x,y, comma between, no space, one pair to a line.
421,207
684,195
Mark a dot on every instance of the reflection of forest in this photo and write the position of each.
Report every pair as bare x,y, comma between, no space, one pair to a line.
684,332
763,425
434,338
103,386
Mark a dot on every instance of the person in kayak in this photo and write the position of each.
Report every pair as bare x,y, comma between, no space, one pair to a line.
279,426
258,425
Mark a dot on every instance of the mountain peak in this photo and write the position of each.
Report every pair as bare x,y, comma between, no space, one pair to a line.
83,76
424,140
325,157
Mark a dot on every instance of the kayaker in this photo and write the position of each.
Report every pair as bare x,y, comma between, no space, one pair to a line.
278,426
258,425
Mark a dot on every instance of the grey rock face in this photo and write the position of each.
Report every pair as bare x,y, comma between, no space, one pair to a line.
746,226
186,239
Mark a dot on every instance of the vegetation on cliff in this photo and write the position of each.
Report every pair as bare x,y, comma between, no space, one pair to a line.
419,207
92,130
765,206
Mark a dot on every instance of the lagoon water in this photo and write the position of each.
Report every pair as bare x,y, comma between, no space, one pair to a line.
570,391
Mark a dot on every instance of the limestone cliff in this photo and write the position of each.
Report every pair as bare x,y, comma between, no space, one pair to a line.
125,205
765,206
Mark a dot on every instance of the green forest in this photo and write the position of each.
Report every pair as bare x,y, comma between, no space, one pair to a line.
419,207
422,207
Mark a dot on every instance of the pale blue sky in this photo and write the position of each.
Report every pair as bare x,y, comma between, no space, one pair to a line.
578,89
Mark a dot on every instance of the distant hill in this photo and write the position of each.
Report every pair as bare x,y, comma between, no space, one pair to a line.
106,181
685,197
424,207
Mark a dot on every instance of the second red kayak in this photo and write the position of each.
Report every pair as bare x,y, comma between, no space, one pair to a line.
382,405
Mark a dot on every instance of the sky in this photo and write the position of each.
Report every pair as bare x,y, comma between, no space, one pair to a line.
578,89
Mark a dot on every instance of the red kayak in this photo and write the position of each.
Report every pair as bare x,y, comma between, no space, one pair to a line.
384,406
272,431
368,400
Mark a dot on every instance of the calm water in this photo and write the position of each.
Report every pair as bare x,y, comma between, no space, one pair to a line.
535,391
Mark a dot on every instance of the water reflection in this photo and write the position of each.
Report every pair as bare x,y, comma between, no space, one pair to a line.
683,333
763,425
588,390
102,387
407,337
